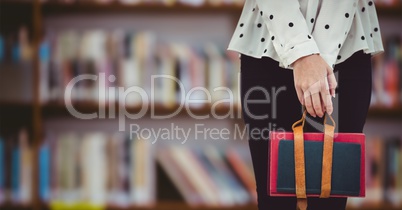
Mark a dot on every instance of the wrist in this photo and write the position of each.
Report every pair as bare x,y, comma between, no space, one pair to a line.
304,58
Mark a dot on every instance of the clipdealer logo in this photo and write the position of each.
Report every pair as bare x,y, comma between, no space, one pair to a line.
146,101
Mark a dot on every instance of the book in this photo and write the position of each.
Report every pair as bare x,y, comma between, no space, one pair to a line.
44,63
136,69
2,48
26,173
130,72
44,165
2,170
225,193
387,77
216,74
399,174
375,170
239,159
237,191
15,174
142,172
93,169
186,188
392,162
197,175
164,83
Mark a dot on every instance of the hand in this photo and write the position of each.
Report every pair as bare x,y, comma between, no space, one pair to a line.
315,82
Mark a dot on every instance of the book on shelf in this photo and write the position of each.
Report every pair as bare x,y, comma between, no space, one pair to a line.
44,166
16,65
16,47
179,179
117,172
387,74
374,171
383,172
93,168
15,174
2,48
197,175
2,171
135,68
16,169
224,195
203,176
25,168
237,193
392,179
240,161
21,170
142,175
96,169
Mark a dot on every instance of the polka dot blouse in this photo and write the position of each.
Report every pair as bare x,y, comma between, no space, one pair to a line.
286,30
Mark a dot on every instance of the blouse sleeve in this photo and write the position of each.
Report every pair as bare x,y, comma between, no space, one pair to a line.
331,29
288,29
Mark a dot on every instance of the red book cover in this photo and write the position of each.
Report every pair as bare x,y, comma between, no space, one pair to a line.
350,138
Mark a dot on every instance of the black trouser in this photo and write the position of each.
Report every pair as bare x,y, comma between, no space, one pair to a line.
283,109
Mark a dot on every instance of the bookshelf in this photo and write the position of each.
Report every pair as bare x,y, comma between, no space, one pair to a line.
179,205
394,113
36,113
57,109
54,7
93,7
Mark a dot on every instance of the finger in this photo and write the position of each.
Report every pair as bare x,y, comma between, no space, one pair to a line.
309,104
314,91
300,95
329,108
325,97
317,104
332,83
323,106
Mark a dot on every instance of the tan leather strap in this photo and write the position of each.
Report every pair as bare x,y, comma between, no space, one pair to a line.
327,158
300,176
301,204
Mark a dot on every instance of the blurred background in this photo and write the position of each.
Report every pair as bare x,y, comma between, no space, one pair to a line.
50,159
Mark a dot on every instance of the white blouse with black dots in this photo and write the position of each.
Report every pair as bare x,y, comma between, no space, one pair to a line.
286,30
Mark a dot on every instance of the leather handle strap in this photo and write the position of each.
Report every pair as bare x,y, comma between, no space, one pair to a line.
300,176
327,158
301,204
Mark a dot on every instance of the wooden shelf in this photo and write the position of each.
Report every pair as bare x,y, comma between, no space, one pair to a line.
389,10
59,109
55,8
379,207
90,107
11,206
16,2
184,206
378,112
14,14
164,205
15,104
